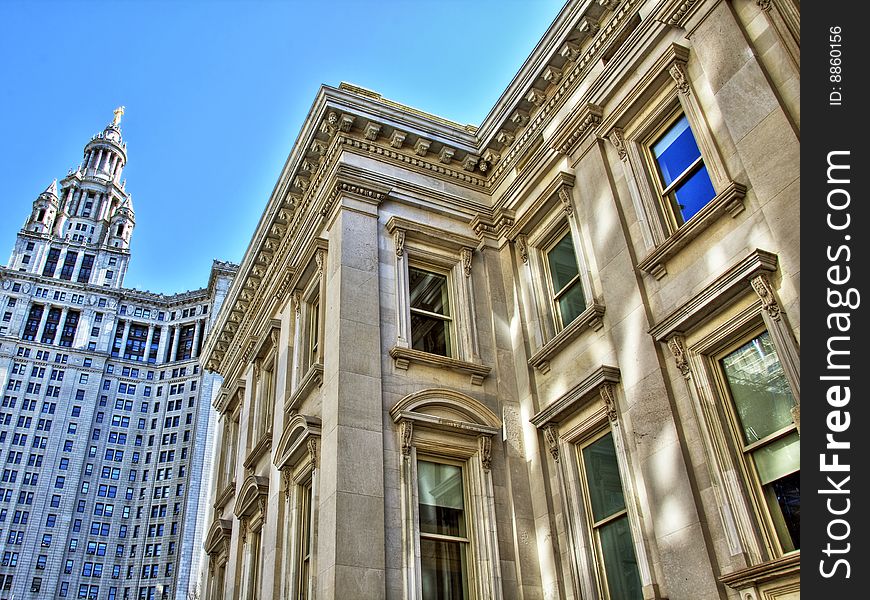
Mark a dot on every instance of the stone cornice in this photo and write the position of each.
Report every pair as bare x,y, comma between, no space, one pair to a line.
733,282
527,129
576,397
582,121
564,180
728,200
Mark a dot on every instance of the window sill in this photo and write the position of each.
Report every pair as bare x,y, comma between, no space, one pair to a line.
779,568
403,357
591,318
225,495
259,449
730,199
313,378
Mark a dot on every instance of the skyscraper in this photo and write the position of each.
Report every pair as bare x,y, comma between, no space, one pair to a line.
105,412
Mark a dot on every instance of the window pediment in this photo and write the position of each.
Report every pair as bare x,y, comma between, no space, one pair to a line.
252,496
218,538
446,409
293,445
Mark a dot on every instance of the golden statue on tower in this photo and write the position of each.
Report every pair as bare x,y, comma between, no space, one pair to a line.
119,112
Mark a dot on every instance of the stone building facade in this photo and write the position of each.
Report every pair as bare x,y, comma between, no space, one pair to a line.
555,355
105,417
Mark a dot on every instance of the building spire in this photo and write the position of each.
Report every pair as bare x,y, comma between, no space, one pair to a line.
51,189
119,112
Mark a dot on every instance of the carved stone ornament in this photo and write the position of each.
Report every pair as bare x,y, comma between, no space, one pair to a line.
609,397
768,300
551,436
484,446
318,258
406,434
297,302
523,246
421,147
243,530
400,242
397,139
287,480
678,349
565,197
763,4
616,138
346,123
679,75
466,255
312,452
261,506
505,138
371,131
446,155
536,97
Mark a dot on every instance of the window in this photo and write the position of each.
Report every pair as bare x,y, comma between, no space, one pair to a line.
608,520
443,531
684,185
304,540
767,437
565,284
431,320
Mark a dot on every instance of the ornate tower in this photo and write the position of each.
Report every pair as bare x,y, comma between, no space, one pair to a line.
83,231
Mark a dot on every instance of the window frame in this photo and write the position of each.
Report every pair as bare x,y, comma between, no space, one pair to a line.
447,253
464,439
449,319
715,374
545,242
465,543
667,204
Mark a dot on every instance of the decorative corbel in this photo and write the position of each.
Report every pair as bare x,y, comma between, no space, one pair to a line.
399,237
287,480
504,138
551,436
523,246
319,255
466,255
371,131
346,123
397,139
446,155
618,140
484,446
609,397
421,147
261,505
565,197
406,433
296,298
536,97
312,452
679,75
764,290
243,530
676,344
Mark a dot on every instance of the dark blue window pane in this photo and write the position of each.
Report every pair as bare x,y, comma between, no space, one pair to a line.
694,193
675,151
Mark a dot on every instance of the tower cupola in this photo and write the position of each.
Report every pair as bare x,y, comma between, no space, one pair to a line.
45,209
106,153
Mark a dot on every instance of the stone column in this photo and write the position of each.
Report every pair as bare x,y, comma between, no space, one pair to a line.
350,558
124,337
197,331
176,331
164,339
46,309
148,343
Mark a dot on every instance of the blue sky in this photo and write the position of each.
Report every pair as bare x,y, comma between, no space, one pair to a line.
215,94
